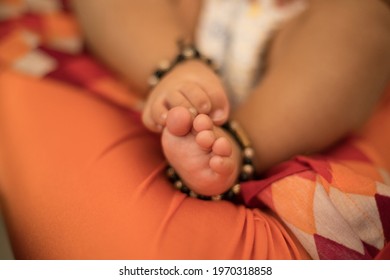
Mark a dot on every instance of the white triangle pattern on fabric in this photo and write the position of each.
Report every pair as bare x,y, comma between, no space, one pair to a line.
35,63
383,189
331,224
307,240
361,213
385,175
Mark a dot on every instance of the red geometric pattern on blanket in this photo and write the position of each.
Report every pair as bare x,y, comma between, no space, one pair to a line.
330,250
77,68
384,254
371,250
383,203
33,22
344,151
319,169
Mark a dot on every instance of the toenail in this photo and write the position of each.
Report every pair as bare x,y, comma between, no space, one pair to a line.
164,116
205,107
218,115
193,111
159,127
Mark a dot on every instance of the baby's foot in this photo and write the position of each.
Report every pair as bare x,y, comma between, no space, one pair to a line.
204,155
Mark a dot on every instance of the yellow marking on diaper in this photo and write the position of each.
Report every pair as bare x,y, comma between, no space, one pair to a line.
255,9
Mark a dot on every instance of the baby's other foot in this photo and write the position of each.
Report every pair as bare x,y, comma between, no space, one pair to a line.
204,155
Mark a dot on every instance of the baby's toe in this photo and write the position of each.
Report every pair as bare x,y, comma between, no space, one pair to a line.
198,98
203,122
222,165
159,114
222,147
205,139
179,121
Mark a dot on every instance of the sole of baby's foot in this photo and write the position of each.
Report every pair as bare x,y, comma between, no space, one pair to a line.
204,155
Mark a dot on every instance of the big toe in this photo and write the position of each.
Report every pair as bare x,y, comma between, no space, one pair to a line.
179,121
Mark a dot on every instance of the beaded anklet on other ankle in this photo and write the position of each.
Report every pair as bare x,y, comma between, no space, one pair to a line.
186,52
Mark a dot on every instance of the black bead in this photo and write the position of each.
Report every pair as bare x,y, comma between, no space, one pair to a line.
159,73
196,53
185,189
229,195
172,176
244,177
180,58
204,197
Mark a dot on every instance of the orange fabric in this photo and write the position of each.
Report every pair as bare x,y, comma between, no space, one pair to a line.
81,179
303,196
60,25
376,133
13,48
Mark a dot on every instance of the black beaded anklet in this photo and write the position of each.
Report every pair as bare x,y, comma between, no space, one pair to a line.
186,52
247,169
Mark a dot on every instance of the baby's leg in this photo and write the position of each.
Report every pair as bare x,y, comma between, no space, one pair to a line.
204,155
322,82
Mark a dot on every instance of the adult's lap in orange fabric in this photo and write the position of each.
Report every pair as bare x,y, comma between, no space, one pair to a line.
81,179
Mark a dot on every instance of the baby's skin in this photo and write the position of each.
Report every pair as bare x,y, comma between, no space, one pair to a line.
188,106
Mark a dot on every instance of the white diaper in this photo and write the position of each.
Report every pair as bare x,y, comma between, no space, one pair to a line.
234,33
